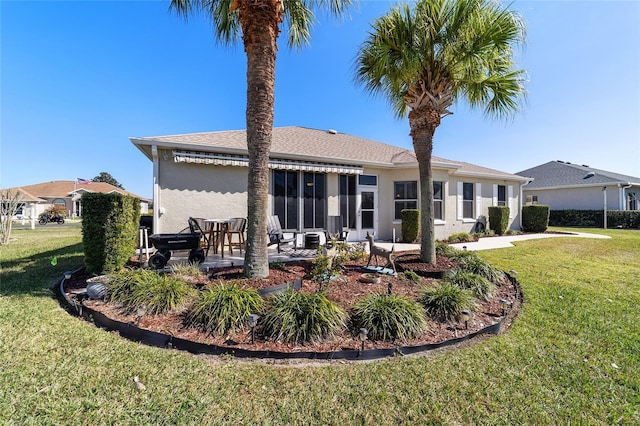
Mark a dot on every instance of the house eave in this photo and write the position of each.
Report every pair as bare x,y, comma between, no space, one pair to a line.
494,176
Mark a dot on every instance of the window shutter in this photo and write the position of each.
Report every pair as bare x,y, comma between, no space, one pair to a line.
459,196
495,195
478,200
510,201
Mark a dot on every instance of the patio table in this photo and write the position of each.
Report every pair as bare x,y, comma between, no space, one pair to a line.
218,228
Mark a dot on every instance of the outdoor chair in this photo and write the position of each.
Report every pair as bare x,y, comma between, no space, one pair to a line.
276,235
236,227
335,230
197,226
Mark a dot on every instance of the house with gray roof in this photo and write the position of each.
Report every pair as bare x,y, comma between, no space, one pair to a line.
315,174
567,186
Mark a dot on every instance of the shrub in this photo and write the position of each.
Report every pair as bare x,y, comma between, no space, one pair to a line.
279,265
445,250
473,263
185,269
159,293
446,301
461,237
411,276
109,230
498,219
144,288
410,224
119,286
388,317
481,287
535,218
224,307
298,317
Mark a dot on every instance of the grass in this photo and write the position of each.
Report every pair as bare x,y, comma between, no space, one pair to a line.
554,366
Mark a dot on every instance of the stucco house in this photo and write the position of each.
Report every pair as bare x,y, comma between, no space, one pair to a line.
566,186
67,193
314,174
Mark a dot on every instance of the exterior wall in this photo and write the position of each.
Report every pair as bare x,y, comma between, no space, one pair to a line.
215,192
576,198
196,190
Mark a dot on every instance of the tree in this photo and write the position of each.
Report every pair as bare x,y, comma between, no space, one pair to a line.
107,178
10,201
425,58
259,23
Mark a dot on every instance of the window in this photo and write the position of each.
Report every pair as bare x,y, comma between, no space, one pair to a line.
532,199
437,200
347,195
502,195
406,196
285,198
295,192
369,180
467,200
314,204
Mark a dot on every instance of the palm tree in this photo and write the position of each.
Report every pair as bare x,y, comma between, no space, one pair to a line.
425,58
259,21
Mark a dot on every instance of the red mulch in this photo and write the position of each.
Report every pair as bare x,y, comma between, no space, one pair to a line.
345,291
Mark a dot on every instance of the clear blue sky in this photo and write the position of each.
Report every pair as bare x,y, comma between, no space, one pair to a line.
78,78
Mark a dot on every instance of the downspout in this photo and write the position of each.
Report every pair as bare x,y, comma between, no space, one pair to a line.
521,202
604,192
156,192
623,204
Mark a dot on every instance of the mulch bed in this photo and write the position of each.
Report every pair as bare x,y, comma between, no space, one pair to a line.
345,291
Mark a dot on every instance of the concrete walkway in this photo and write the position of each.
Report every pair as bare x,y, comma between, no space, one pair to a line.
506,241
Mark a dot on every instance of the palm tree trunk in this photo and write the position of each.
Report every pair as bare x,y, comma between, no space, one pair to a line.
259,22
423,123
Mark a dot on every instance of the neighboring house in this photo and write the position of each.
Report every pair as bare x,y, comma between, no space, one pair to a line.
27,203
316,173
66,193
565,186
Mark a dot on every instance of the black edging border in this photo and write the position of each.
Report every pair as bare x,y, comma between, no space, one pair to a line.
160,340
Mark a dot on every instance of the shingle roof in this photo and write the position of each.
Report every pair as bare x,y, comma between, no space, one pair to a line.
558,174
63,188
310,144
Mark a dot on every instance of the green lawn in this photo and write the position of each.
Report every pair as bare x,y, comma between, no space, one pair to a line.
571,357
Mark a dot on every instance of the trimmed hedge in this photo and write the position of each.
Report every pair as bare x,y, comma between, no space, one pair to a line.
535,218
410,225
109,230
498,219
628,219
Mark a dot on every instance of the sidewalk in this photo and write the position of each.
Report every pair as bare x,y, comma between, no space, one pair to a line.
488,243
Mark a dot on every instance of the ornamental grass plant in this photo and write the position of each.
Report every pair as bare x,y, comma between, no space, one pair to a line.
224,307
293,316
481,287
446,301
388,317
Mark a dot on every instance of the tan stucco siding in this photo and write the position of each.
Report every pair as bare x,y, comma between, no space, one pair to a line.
197,190
577,198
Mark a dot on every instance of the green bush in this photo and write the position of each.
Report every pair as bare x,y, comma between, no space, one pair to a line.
445,250
481,287
119,285
535,218
446,301
628,219
498,219
143,288
461,237
411,276
224,307
475,264
388,317
109,230
410,225
299,317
